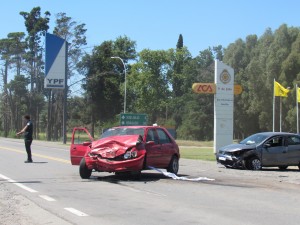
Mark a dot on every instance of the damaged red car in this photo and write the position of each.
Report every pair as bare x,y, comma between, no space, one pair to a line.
124,149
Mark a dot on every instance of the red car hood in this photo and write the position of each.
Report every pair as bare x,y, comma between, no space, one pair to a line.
113,146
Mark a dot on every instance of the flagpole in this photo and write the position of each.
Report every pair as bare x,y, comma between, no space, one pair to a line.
297,110
280,112
274,105
279,91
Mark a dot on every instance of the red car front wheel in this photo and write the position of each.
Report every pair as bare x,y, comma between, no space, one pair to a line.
84,172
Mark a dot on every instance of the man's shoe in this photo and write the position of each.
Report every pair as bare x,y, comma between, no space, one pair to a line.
28,161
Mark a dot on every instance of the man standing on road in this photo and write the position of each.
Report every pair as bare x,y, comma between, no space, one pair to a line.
27,130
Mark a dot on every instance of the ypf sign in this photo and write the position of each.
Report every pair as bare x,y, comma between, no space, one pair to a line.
56,61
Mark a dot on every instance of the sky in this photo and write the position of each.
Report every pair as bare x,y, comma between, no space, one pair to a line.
157,24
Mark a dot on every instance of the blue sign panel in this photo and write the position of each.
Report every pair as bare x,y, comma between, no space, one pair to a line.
55,62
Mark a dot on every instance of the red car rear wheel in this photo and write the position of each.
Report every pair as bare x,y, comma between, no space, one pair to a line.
174,165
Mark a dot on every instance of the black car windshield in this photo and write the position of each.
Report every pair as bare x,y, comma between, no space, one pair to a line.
254,139
118,131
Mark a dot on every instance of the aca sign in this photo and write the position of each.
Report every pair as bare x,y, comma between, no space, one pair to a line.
210,88
204,88
224,91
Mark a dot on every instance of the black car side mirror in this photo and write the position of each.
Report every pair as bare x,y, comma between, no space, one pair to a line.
267,145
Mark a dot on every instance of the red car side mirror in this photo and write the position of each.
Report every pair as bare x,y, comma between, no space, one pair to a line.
150,143
86,143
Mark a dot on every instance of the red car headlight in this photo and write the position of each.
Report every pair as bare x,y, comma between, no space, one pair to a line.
91,154
134,154
130,154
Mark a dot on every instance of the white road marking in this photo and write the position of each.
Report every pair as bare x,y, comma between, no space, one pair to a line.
47,198
18,184
25,187
76,212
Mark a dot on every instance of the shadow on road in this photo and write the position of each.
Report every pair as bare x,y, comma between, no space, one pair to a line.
143,177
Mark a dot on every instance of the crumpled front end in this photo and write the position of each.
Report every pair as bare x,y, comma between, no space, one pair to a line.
109,165
117,154
234,159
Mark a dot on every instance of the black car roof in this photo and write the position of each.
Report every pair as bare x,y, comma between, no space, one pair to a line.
269,133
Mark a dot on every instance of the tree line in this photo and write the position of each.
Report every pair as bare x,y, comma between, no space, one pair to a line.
158,82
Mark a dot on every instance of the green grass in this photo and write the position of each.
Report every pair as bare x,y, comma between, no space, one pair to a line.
203,153
195,143
201,150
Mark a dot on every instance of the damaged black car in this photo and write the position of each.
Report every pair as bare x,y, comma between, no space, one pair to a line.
266,149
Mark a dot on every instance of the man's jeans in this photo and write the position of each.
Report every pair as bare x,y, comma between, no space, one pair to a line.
28,149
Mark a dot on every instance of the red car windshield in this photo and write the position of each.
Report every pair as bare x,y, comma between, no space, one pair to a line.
119,131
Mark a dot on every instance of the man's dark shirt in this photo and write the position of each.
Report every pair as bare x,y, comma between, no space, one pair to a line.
29,130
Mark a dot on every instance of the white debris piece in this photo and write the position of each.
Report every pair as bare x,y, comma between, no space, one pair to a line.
175,177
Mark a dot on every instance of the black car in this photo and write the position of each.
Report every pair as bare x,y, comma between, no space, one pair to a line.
267,149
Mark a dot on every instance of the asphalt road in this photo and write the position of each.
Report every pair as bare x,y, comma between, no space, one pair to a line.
50,191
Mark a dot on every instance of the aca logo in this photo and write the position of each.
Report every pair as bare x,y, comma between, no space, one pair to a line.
204,88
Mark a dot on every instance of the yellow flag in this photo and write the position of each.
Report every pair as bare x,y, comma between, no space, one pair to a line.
298,94
279,90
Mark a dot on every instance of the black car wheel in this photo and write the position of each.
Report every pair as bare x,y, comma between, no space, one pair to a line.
84,172
282,167
174,165
254,163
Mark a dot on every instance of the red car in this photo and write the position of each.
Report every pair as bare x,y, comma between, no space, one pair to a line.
124,149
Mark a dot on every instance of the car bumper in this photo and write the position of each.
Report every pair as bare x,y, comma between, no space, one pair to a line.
230,161
108,165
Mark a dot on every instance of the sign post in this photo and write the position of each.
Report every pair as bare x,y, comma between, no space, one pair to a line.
224,90
223,110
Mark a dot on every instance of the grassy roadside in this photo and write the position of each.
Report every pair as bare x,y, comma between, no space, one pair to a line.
198,153
195,143
201,150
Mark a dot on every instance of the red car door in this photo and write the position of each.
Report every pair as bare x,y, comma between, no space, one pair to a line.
80,142
167,147
153,148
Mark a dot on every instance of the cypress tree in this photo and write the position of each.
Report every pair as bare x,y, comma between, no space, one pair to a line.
180,42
